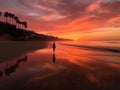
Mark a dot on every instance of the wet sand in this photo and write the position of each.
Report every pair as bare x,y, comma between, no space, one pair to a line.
11,49
69,68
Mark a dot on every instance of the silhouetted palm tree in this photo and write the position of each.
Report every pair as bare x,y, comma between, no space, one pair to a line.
0,13
16,19
21,25
19,22
6,14
24,24
9,16
12,17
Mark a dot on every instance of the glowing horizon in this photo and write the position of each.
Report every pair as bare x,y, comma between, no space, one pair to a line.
76,19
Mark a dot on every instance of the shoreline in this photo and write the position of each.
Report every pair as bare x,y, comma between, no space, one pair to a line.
12,49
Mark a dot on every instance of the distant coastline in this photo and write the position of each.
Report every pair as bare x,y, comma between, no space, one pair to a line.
15,30
10,32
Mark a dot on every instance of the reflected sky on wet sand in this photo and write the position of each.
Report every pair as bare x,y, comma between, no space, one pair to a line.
68,68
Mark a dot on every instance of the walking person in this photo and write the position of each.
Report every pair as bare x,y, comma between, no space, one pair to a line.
54,47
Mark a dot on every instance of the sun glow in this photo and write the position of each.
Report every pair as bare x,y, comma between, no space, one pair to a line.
73,36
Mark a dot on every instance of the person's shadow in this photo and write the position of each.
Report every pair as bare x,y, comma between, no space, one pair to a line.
54,58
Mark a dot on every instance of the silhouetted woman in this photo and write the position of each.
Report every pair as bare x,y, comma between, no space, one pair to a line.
54,46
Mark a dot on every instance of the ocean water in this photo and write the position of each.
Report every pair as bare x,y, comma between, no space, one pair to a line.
107,48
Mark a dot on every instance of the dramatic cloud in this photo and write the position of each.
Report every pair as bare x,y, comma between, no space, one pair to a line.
66,17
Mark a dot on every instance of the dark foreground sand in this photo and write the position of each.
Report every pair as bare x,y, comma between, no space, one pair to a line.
12,49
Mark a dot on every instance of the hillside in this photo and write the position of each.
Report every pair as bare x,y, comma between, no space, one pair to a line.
10,32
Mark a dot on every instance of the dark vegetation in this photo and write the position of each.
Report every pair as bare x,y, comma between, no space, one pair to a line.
14,29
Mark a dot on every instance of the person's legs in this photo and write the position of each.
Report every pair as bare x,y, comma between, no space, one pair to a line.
54,49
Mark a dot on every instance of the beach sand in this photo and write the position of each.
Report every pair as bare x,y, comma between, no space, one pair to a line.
68,68
13,49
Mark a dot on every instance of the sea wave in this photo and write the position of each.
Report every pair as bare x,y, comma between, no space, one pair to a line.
99,48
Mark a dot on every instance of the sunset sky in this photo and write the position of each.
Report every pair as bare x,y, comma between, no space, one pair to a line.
73,19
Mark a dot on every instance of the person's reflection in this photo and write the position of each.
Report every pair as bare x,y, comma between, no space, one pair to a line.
54,58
